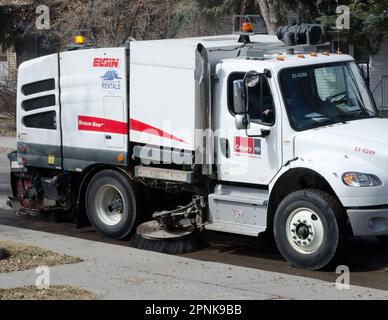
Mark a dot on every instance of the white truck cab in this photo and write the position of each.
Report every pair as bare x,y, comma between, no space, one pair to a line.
260,136
323,137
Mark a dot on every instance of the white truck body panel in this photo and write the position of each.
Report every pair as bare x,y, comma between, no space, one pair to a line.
167,111
91,109
332,151
167,68
30,74
94,101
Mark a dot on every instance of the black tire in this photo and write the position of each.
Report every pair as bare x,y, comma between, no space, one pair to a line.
325,217
123,190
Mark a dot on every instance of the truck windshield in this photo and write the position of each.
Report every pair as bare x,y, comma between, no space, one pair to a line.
320,95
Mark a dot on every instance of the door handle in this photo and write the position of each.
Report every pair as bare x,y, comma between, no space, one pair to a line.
108,137
225,147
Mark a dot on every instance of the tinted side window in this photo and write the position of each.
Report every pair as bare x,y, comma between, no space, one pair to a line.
38,103
40,86
233,77
46,120
261,110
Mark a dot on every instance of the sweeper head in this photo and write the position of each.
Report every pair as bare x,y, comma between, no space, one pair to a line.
163,241
172,232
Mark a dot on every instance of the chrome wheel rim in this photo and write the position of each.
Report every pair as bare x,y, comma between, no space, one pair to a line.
304,231
109,205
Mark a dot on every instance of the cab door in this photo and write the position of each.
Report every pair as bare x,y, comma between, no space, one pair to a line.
243,156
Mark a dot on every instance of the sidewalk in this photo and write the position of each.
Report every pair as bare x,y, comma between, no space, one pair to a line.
117,272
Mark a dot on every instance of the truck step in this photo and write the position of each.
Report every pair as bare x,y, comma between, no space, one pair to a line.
236,228
238,210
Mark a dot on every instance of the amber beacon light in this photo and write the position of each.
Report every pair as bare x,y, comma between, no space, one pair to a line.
79,40
247,27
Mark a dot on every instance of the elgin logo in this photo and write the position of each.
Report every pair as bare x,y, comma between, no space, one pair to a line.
106,63
247,146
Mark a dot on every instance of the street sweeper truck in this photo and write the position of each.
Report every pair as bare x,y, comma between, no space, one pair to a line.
244,134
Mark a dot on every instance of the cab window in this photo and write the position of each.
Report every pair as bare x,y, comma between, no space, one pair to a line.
261,109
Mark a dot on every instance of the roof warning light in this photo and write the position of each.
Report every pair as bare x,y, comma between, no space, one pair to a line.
79,40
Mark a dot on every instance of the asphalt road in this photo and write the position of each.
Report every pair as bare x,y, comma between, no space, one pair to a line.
366,258
4,184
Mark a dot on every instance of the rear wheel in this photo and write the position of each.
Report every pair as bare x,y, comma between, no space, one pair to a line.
307,229
111,204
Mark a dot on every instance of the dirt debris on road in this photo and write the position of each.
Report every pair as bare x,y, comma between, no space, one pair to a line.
54,293
20,257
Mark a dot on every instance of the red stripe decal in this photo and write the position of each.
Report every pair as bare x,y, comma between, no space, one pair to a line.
112,126
101,125
143,127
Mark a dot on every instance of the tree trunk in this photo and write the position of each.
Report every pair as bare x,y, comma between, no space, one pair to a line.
272,12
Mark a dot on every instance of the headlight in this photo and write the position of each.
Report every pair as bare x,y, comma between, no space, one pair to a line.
356,179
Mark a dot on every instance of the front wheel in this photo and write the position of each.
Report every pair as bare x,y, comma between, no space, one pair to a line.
111,204
306,229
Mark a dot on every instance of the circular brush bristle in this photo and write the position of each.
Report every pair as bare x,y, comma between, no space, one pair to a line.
186,244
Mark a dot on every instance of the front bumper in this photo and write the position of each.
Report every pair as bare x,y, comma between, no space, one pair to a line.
369,222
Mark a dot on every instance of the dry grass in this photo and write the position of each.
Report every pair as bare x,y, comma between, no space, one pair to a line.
54,293
21,257
7,126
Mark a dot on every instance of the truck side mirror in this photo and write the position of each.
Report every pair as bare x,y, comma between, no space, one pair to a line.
239,97
242,121
364,68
